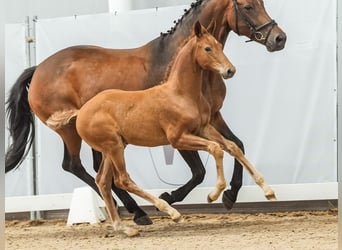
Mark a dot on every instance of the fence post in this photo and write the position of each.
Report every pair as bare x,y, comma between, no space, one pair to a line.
339,116
31,61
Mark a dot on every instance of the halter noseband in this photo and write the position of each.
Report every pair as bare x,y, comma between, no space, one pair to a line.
256,31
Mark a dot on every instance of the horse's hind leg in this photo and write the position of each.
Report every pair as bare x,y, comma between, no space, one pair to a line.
140,217
71,161
104,179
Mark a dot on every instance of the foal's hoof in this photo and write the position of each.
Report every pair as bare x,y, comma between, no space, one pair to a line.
212,197
131,232
143,220
210,200
166,197
176,216
271,197
180,219
228,200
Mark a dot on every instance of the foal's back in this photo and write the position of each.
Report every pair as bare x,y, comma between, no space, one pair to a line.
134,115
157,115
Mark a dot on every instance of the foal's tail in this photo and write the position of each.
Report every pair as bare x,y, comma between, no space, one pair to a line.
20,120
60,119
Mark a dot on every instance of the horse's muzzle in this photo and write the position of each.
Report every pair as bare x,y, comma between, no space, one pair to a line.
276,42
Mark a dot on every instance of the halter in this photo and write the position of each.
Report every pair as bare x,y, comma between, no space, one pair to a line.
256,31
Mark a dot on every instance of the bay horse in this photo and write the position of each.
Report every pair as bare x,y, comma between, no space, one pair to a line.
70,77
175,112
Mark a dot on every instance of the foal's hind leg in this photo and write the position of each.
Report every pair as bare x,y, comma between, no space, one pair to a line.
72,163
140,217
104,180
123,181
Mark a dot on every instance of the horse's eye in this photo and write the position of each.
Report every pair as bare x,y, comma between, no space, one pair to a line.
248,7
207,49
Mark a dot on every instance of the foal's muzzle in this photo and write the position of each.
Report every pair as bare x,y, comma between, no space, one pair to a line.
228,73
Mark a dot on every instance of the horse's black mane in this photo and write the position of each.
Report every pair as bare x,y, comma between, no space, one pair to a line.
186,12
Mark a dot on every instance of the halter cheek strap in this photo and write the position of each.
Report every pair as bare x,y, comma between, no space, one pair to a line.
256,31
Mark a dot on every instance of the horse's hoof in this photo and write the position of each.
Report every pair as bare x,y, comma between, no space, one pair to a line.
143,220
166,197
227,200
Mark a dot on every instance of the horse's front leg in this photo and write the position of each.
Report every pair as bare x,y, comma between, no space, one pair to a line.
230,195
193,160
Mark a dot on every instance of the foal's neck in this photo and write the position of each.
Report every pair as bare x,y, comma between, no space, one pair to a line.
186,74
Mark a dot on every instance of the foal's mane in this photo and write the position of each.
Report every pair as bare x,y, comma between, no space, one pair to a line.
193,7
169,66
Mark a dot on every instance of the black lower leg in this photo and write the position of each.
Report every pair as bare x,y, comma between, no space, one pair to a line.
230,195
198,171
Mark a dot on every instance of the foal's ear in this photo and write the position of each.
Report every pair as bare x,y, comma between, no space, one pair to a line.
198,29
211,27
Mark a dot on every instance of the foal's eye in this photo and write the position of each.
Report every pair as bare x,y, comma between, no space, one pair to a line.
207,49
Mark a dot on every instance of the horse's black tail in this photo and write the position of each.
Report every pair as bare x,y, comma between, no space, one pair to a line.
20,120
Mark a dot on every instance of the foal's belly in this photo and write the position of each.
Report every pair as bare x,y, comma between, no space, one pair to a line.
144,135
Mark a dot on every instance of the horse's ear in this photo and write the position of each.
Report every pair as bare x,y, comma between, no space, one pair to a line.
198,29
211,27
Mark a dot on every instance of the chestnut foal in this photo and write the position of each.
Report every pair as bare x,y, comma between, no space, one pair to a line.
174,112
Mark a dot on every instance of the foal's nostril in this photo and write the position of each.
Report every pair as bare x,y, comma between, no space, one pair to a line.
230,72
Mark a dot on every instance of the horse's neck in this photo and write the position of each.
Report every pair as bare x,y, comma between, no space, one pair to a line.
164,47
186,74
205,13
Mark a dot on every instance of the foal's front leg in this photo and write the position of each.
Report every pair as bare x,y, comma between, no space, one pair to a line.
193,142
211,133
230,195
232,149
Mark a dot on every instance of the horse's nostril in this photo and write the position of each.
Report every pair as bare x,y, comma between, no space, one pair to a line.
280,40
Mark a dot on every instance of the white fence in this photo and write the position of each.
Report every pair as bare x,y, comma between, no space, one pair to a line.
281,105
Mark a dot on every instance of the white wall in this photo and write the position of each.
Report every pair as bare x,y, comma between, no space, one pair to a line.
119,5
17,10
281,124
274,103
